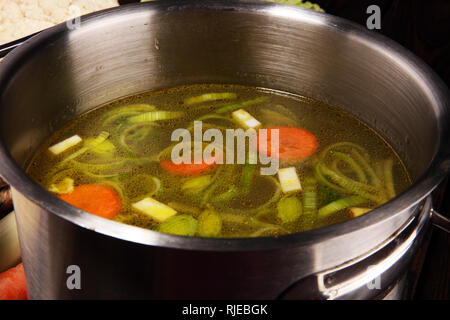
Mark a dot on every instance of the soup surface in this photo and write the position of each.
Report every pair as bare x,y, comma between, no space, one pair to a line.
154,161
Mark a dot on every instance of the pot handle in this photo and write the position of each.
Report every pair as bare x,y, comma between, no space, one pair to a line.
440,221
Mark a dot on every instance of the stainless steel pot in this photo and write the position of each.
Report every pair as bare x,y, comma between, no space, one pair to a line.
63,73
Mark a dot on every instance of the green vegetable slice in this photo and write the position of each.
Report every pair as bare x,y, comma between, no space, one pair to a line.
97,141
209,224
310,199
241,105
389,178
106,148
248,171
339,205
182,225
210,97
289,209
196,185
152,116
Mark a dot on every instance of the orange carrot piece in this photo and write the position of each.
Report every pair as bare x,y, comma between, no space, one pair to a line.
189,169
12,284
294,143
97,199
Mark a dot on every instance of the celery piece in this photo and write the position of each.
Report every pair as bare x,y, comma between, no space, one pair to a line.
65,144
182,225
289,180
245,119
154,209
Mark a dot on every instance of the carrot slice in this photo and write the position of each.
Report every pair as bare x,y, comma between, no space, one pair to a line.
186,169
97,199
294,143
12,284
190,169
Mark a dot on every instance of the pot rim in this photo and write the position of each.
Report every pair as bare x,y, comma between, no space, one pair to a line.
420,189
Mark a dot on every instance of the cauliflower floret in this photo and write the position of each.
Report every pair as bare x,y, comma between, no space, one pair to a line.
19,18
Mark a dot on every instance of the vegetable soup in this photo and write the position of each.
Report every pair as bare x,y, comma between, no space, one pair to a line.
131,161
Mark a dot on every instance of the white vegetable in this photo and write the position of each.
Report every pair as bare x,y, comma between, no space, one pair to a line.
9,242
62,187
289,180
245,119
64,145
356,211
154,209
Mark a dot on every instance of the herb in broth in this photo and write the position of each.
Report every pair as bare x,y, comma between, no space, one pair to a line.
118,162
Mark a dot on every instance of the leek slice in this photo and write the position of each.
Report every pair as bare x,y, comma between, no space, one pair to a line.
231,193
339,205
196,185
289,209
152,116
353,165
248,171
241,105
136,133
125,112
185,208
310,198
100,139
210,97
209,224
106,148
389,178
182,225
